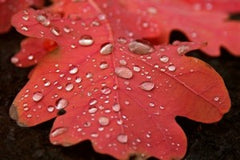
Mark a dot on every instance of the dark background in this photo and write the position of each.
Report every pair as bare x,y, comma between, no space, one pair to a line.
218,141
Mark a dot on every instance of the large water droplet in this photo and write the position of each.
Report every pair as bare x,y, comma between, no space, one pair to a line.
104,121
106,49
122,138
37,96
86,40
124,72
140,47
58,131
147,86
61,103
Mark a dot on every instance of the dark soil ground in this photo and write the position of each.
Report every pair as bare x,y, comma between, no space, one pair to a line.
219,141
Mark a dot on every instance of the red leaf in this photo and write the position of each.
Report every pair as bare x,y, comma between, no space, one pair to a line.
156,18
9,7
120,92
32,50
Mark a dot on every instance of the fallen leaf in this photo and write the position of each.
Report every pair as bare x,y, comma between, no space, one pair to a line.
119,91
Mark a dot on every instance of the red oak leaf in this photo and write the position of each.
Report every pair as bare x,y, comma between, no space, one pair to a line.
199,23
9,7
117,90
32,50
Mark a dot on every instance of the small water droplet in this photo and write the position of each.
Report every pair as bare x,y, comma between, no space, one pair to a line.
58,131
43,20
171,68
92,110
86,40
61,103
69,87
30,57
14,60
122,62
103,65
37,96
106,90
136,68
164,59
182,49
116,107
122,138
24,28
216,99
92,102
104,121
106,49
147,86
151,104
50,108
140,47
89,75
55,31
124,72
78,79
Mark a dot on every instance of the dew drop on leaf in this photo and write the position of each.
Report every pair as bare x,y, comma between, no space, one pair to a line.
61,103
147,86
86,40
124,72
37,96
106,49
140,47
58,131
122,138
164,59
104,121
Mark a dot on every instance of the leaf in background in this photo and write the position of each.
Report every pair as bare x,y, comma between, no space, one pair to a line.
9,7
157,19
115,89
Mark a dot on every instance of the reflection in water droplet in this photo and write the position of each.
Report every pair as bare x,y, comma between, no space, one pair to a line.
140,47
124,72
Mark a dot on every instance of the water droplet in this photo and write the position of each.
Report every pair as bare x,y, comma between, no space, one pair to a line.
92,110
78,79
86,40
43,20
37,96
171,68
89,75
92,102
106,90
140,47
103,65
14,60
55,31
24,28
50,108
116,107
164,59
61,103
124,72
147,86
182,49
216,99
122,62
58,131
122,138
69,87
104,121
151,104
25,17
106,49
30,57
136,68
